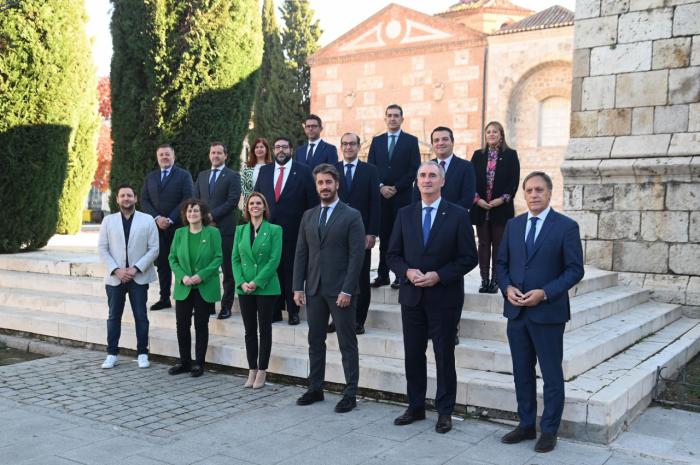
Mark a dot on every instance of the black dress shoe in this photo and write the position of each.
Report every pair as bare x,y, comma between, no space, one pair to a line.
546,442
223,314
293,319
484,286
309,397
409,416
396,284
197,371
331,328
493,286
346,404
161,304
444,424
519,434
359,329
380,281
178,368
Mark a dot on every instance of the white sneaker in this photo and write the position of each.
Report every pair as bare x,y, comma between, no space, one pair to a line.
110,361
143,361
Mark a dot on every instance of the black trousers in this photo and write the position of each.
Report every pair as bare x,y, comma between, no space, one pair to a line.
257,310
165,274
227,269
365,293
193,304
285,273
429,320
490,235
388,210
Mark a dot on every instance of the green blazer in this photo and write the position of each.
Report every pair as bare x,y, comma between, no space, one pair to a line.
257,263
206,265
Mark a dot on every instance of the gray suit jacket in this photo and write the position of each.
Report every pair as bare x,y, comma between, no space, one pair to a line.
224,198
338,255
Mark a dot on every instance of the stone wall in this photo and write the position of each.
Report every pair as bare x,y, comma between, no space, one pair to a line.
632,166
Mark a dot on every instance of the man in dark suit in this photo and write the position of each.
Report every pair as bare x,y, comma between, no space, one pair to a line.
431,249
163,192
359,189
540,259
329,254
220,188
289,189
396,156
315,151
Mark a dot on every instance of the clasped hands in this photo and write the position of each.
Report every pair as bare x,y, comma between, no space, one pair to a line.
342,301
163,222
420,279
387,191
528,299
249,286
489,205
126,275
191,280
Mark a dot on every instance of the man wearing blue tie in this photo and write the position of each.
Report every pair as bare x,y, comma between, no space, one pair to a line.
539,260
316,150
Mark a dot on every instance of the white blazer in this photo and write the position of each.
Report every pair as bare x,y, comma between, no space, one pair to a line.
143,247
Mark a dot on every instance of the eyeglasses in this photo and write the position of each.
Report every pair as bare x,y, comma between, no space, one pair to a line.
311,126
281,147
348,144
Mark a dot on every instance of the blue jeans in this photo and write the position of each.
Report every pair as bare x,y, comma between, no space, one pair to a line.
116,297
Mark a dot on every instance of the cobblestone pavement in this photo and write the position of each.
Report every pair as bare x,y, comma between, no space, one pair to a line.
66,410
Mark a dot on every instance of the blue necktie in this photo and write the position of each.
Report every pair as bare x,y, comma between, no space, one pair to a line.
426,224
163,175
530,240
392,145
310,154
348,176
212,180
322,221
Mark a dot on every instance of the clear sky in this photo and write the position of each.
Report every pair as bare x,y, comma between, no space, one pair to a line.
336,17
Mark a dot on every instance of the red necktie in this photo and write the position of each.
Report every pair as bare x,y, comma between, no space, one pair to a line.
278,184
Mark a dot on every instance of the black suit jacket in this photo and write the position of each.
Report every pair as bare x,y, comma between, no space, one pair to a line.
299,194
505,182
401,170
460,184
450,251
166,199
364,194
224,198
323,153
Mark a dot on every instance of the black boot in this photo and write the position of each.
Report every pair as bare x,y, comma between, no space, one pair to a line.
493,286
484,286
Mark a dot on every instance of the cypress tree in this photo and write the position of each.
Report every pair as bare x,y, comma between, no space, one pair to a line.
277,111
300,41
48,120
185,72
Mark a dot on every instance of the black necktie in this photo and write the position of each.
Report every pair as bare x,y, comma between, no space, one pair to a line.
310,155
530,240
348,175
322,222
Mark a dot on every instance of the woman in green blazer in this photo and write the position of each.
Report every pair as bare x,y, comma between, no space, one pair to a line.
195,258
257,249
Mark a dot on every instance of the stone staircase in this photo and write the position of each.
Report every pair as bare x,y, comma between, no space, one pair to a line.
613,344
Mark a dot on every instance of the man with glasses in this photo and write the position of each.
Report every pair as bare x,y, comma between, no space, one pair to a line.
289,189
315,151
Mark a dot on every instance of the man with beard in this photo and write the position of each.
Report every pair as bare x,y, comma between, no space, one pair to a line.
289,189
329,255
128,245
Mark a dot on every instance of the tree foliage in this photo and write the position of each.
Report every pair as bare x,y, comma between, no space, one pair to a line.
300,41
277,111
48,120
185,72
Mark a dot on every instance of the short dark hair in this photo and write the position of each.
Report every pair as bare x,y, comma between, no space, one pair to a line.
246,214
216,142
541,174
351,134
442,128
327,168
203,209
166,145
394,106
314,117
286,139
125,186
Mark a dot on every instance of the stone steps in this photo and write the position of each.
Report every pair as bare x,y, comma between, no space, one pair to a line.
598,402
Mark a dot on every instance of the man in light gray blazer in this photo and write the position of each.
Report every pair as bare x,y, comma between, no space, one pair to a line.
329,255
128,246
220,188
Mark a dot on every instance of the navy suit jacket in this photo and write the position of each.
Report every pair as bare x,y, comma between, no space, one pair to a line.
556,265
299,194
460,183
223,201
166,199
401,170
363,195
323,153
450,251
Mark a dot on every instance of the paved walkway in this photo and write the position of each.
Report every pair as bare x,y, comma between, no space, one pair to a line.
66,410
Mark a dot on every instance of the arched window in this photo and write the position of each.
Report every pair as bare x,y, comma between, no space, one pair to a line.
553,128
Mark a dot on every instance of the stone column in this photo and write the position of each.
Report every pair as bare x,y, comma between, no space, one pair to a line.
632,166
